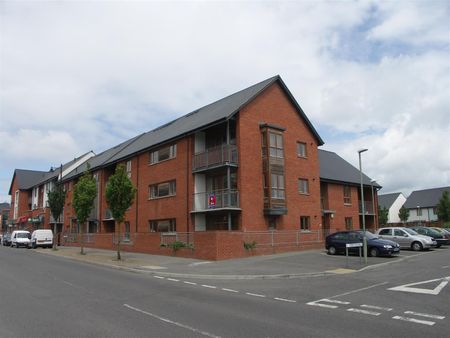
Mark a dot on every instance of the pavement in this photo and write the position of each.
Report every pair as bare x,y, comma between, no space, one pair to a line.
302,264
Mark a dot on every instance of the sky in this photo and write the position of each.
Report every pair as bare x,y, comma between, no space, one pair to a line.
86,75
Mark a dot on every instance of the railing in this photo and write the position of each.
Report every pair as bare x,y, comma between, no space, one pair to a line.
170,237
282,238
213,157
226,198
368,207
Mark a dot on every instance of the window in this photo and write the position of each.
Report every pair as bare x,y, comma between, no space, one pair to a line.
163,154
419,212
301,149
399,233
348,223
305,223
165,225
126,235
276,145
303,186
347,194
128,168
385,232
277,186
163,189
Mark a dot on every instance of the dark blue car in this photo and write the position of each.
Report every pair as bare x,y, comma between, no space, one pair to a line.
336,243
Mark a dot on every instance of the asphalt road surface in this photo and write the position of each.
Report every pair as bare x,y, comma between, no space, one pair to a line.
49,296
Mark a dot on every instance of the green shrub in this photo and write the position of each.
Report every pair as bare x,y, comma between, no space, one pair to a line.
249,245
177,245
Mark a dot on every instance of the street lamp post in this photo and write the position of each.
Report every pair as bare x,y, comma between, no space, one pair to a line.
362,207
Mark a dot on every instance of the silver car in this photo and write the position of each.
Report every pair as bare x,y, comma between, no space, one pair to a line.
406,238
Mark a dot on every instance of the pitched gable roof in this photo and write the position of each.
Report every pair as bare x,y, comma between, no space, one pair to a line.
335,169
26,178
213,113
425,198
386,200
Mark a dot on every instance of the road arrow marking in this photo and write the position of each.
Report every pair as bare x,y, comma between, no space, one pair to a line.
435,291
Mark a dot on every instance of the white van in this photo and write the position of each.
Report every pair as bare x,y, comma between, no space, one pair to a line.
41,237
20,238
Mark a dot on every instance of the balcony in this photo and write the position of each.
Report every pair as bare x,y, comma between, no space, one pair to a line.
216,200
61,218
215,157
368,208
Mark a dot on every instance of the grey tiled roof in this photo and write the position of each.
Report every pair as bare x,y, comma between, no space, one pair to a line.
386,200
425,198
215,112
26,179
334,168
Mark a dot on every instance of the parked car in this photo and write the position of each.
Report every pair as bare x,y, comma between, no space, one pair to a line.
20,238
41,237
444,233
437,236
406,238
6,240
336,243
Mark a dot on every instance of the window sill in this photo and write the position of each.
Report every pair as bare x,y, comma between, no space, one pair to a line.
347,204
303,193
303,157
305,231
158,198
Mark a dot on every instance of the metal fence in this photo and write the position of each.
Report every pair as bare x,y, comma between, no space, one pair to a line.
283,238
170,237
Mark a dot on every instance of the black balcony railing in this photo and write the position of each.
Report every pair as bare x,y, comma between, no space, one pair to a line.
214,157
218,199
368,207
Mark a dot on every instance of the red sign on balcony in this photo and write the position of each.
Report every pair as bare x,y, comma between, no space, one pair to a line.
212,201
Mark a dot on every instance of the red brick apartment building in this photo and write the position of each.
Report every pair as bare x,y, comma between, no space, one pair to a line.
244,169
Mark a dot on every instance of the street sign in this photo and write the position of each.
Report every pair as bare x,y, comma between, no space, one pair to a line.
353,245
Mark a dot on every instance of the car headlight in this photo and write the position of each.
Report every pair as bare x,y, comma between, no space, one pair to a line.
387,246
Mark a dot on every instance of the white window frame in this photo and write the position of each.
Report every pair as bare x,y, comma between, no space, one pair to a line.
301,150
155,188
155,155
303,186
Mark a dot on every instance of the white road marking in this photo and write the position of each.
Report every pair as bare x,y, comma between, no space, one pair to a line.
365,312
209,286
173,279
334,301
322,305
446,266
159,277
190,328
424,315
190,283
230,290
373,307
255,294
434,292
358,290
413,320
286,300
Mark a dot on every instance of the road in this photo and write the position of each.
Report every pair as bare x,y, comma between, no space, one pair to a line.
49,296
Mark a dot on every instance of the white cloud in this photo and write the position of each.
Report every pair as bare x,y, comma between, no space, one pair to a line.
92,74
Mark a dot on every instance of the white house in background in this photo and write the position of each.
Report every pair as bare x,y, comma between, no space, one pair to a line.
393,202
422,204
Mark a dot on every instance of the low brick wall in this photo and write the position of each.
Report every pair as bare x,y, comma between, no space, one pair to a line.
208,245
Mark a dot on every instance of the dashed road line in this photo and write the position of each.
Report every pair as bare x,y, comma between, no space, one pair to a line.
426,315
286,300
230,290
255,295
335,301
413,320
374,307
173,279
365,312
209,286
190,283
159,277
316,303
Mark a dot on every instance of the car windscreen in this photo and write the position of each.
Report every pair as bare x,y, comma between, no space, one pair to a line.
410,231
23,235
370,235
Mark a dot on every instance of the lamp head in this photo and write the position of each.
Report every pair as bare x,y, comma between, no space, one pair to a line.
362,150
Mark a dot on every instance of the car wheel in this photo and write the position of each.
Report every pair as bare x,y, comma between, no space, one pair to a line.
417,246
438,246
373,252
332,250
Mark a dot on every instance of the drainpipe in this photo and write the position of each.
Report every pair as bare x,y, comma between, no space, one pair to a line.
137,194
228,175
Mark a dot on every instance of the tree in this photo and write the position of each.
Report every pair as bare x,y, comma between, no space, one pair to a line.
443,207
56,199
84,194
119,196
383,215
403,214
